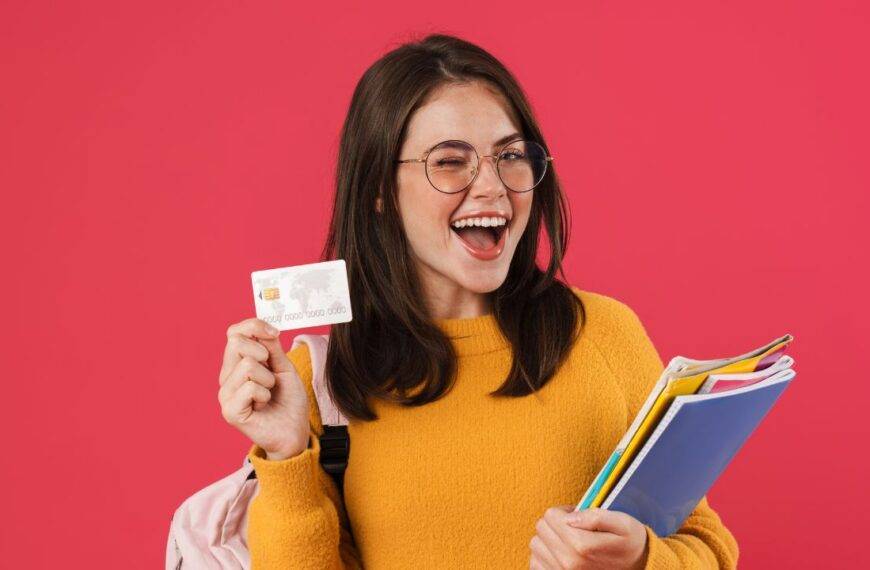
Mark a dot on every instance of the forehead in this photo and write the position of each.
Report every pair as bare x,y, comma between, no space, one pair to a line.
472,112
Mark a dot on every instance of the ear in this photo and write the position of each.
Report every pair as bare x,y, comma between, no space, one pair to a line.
379,204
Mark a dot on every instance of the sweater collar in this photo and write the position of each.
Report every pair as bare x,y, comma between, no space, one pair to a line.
473,335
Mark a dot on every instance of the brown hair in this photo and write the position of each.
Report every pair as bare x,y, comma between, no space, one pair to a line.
391,346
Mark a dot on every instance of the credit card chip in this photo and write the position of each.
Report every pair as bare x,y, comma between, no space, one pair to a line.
270,294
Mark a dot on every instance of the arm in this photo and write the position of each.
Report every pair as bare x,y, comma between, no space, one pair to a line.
703,541
297,518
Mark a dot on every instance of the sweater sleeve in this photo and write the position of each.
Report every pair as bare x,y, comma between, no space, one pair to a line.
702,541
297,518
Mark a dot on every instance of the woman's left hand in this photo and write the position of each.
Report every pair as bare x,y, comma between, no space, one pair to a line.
593,538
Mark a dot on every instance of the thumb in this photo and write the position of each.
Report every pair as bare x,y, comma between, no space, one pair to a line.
583,518
566,508
565,511
597,519
278,361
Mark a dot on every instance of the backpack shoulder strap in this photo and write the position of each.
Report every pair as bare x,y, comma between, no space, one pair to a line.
317,345
334,441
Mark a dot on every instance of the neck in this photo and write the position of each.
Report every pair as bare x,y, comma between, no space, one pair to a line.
456,302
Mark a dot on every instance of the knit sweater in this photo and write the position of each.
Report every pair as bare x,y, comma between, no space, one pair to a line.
460,482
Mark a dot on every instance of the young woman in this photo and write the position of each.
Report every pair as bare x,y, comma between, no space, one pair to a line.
483,394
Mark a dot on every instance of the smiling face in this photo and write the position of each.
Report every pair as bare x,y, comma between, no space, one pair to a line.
470,257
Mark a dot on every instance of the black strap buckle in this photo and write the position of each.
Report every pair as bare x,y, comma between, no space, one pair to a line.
334,451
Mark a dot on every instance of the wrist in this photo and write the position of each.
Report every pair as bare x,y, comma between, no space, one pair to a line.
292,452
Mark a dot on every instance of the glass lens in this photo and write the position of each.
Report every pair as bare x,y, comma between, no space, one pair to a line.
522,165
450,166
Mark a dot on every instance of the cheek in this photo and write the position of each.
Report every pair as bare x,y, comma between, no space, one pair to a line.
425,214
521,204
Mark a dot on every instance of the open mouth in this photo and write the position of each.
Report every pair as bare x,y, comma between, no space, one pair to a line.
482,237
479,237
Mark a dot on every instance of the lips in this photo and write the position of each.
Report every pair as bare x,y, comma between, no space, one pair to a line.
477,248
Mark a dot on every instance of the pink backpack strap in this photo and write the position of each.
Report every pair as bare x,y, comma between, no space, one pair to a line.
317,345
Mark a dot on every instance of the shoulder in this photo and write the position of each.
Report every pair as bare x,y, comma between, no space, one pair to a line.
617,331
607,315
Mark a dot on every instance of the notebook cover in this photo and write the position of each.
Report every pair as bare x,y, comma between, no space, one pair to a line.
675,388
690,448
678,367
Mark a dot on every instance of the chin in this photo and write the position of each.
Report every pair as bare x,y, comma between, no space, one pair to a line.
482,280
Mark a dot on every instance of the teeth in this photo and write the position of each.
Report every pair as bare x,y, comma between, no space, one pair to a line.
482,222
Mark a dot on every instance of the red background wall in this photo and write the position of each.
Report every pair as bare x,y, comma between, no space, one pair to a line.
151,157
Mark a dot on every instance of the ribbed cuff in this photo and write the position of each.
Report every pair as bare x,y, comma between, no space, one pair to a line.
291,483
659,556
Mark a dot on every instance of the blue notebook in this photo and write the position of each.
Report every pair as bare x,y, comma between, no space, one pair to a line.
691,445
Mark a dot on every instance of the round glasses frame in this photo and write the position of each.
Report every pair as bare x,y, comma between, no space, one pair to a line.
496,158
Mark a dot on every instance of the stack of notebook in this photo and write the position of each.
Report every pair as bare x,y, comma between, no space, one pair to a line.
694,421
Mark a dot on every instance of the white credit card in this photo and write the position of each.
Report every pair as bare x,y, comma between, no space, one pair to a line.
303,295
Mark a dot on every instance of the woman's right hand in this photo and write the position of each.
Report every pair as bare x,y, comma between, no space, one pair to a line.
261,393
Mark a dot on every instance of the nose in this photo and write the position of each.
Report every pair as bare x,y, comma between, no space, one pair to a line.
487,184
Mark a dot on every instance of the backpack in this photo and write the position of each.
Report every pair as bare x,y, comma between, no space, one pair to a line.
209,529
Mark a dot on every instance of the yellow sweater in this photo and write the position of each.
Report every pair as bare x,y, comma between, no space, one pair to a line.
460,482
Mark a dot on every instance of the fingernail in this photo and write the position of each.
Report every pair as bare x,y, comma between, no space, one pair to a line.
271,330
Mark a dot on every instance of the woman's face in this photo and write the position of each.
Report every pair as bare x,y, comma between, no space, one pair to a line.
449,259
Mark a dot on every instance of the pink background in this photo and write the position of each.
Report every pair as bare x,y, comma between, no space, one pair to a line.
151,157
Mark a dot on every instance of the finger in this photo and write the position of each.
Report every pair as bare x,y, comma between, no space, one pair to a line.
536,563
253,328
617,522
541,554
246,370
239,406
238,347
559,543
601,520
278,361
249,369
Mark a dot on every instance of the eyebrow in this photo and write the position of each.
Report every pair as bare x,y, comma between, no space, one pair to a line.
505,139
502,140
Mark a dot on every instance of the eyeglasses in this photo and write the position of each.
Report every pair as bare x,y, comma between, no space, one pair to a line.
452,165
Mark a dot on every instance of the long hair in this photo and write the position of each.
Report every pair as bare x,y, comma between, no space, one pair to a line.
392,347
